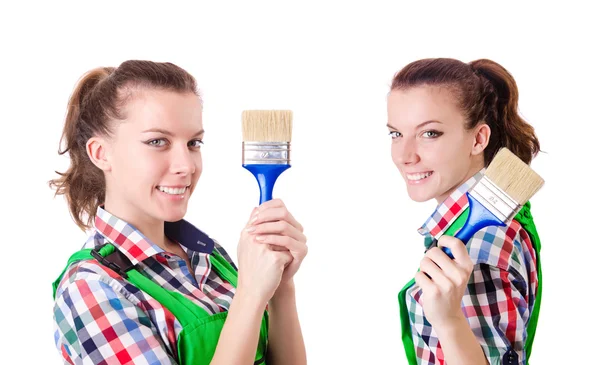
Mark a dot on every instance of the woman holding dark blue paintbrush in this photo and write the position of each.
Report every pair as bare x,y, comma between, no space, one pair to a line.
447,120
149,287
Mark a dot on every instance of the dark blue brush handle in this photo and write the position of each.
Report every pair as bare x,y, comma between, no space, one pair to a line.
479,217
266,175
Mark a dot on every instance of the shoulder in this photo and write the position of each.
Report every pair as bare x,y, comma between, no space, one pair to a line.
89,279
507,247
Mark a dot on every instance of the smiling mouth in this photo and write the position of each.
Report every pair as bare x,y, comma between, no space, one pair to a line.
419,176
172,191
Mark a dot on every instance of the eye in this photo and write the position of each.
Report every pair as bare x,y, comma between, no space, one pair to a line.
431,134
157,142
196,143
395,134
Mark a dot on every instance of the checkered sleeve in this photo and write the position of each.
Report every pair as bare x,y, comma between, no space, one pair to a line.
96,322
224,253
498,295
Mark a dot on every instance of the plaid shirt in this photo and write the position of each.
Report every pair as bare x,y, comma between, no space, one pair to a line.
100,318
500,294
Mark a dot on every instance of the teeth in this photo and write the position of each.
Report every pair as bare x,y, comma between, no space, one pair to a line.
172,191
415,177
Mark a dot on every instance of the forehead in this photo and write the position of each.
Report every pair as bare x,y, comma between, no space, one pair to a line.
153,108
422,103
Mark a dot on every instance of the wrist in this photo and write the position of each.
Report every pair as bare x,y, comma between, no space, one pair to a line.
451,325
284,292
249,299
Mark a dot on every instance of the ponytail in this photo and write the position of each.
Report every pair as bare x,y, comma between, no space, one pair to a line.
83,183
500,98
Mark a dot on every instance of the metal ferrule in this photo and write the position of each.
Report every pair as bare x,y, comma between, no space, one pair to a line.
274,153
495,200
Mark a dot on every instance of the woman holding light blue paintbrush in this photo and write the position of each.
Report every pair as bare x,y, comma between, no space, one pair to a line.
149,287
474,300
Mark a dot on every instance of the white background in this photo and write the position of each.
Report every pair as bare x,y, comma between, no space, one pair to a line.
331,63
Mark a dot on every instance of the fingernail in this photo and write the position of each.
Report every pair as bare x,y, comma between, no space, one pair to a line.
254,218
250,229
260,238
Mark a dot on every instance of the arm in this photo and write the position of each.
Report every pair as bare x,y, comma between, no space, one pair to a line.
479,312
276,228
94,323
503,300
286,345
241,330
260,274
443,282
459,343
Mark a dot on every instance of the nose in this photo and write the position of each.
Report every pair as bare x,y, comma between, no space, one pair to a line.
404,152
183,160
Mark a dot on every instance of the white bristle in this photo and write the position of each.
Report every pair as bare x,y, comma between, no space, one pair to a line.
509,173
267,125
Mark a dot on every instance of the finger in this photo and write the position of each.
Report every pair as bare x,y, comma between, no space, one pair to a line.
277,214
459,251
435,272
273,203
424,282
280,228
446,264
253,216
296,248
277,248
283,257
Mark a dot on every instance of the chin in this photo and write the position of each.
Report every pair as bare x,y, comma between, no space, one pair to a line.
419,196
172,216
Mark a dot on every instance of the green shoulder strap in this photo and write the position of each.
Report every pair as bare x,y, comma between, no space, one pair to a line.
85,254
407,340
524,217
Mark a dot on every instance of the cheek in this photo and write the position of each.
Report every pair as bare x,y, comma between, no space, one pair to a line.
198,163
436,155
395,153
137,164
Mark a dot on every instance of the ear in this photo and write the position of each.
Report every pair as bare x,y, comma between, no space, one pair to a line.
97,150
482,138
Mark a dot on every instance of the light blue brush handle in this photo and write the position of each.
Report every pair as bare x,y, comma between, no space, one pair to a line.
266,175
479,217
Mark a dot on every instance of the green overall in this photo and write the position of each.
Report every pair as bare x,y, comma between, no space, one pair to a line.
524,217
197,341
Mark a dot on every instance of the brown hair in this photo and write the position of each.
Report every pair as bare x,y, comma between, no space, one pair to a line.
485,92
98,99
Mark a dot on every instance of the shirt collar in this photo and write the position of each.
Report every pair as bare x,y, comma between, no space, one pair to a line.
138,247
446,213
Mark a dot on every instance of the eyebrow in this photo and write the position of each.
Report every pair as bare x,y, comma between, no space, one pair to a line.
168,133
419,126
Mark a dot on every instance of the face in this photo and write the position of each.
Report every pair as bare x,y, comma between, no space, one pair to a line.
153,158
430,144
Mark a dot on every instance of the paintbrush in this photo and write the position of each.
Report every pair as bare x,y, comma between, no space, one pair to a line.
507,184
266,146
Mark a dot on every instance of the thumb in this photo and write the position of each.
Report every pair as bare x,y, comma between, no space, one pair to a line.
252,216
458,248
